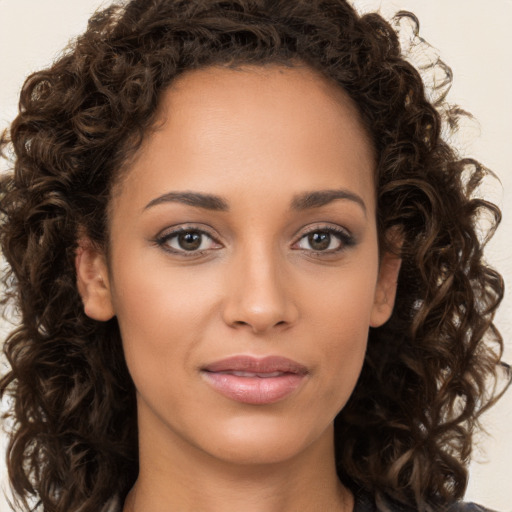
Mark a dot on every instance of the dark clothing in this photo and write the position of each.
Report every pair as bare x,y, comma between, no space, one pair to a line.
365,503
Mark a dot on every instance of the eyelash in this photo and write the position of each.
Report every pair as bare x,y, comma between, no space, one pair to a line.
345,238
164,239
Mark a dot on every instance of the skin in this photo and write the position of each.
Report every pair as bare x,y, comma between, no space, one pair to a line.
258,137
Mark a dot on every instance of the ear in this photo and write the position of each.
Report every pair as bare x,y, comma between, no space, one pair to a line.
385,291
92,281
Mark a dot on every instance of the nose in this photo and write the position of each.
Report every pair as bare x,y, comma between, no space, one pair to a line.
260,296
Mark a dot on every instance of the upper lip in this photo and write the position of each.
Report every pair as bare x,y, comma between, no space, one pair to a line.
268,364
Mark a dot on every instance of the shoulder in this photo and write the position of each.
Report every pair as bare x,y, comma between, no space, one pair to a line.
367,503
468,507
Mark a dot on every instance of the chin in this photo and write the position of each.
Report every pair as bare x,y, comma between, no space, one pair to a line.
249,441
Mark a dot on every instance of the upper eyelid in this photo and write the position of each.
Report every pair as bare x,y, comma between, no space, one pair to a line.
335,229
180,228
323,227
171,230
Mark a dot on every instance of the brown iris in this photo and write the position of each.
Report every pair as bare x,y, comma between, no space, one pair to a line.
189,241
319,240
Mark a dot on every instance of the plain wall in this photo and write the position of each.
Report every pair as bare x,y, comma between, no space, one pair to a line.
473,37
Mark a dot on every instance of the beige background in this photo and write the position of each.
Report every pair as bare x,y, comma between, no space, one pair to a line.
474,38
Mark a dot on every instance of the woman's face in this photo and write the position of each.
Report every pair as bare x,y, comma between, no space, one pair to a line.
243,267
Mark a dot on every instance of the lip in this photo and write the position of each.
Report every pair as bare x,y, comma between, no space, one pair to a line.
253,380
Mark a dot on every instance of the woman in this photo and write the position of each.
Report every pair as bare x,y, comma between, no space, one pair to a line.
247,267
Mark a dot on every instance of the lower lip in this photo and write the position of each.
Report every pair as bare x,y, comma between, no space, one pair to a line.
254,390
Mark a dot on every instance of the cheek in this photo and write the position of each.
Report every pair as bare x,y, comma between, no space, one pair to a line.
340,315
161,315
341,303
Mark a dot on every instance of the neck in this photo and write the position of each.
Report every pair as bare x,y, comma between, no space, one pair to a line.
178,478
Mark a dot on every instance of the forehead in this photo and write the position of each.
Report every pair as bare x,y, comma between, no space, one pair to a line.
290,125
274,83
305,99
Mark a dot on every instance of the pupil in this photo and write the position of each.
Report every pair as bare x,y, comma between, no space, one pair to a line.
189,241
319,241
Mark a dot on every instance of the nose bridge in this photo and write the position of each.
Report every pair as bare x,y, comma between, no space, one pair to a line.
259,296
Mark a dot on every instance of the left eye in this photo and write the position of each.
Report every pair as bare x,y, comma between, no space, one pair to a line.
323,240
190,240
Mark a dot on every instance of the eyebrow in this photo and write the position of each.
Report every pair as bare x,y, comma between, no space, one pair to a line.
199,200
320,198
303,201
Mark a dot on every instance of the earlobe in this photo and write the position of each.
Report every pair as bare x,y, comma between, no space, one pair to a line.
385,291
92,281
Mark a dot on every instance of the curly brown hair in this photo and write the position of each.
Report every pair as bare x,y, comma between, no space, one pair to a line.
429,372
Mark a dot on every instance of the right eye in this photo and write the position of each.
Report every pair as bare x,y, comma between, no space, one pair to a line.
187,241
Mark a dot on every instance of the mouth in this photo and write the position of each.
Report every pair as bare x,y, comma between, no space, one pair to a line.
253,380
